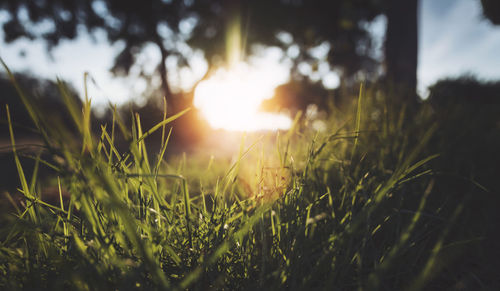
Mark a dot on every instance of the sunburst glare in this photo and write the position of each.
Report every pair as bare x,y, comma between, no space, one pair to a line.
230,99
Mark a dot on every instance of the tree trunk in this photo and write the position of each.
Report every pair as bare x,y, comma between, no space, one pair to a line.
163,72
401,49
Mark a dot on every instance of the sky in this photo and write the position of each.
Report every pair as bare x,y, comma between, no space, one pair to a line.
454,39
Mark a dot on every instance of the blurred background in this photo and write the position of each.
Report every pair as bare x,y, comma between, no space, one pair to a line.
243,65
120,44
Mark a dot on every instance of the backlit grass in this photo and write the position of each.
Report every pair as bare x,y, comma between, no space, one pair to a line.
342,209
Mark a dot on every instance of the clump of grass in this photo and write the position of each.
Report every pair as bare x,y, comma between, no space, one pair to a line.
344,208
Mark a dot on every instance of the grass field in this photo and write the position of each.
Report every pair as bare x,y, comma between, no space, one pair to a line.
367,204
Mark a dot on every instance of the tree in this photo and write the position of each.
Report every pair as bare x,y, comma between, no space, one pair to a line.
491,10
136,23
338,23
401,49
401,44
310,23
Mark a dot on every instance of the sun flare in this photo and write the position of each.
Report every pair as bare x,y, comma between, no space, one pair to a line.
230,99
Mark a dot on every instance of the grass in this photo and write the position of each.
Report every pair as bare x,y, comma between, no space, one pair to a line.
347,208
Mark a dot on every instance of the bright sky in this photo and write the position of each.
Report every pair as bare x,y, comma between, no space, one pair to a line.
454,39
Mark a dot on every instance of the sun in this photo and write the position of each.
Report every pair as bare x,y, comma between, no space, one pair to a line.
230,99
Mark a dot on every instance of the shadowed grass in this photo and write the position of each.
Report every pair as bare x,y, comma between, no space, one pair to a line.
343,208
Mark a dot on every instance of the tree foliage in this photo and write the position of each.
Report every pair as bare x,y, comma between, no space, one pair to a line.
163,23
51,20
203,24
491,10
340,24
135,23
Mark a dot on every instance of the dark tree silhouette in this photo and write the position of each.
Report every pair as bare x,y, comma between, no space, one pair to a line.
310,23
491,10
60,19
401,44
401,49
136,23
338,23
